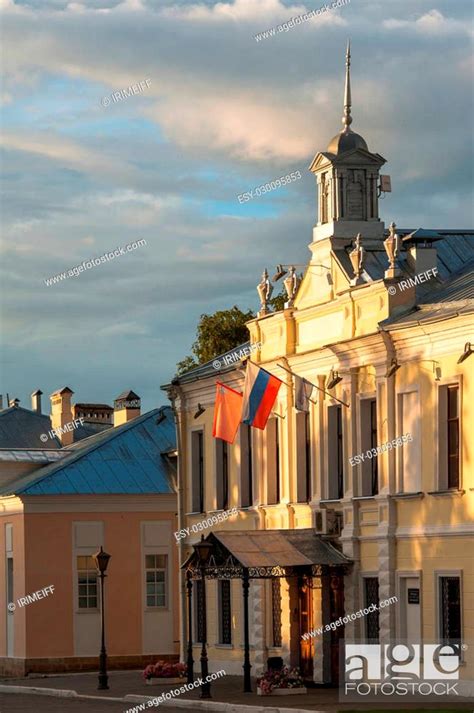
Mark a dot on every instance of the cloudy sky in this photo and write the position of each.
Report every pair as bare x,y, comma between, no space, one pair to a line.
222,115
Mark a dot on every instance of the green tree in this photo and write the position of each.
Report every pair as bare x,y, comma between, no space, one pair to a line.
217,333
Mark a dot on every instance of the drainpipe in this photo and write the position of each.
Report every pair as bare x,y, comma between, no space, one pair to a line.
176,391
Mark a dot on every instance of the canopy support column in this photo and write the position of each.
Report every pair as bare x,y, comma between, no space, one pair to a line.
247,666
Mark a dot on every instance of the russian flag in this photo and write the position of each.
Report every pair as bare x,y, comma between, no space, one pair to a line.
260,392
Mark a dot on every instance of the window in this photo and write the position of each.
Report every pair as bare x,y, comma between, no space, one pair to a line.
450,609
335,453
225,615
453,436
371,587
87,582
222,475
246,466
303,456
276,612
449,436
155,575
198,612
197,465
368,427
273,462
409,454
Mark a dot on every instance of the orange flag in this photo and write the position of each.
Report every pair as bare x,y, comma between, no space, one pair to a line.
227,413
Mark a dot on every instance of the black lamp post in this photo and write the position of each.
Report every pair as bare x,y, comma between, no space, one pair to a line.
101,559
203,550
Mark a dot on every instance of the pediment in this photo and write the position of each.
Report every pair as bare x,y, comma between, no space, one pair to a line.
355,157
321,160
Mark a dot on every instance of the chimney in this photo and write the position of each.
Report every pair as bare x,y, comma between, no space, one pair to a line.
14,402
421,250
36,400
1,402
61,415
126,407
421,258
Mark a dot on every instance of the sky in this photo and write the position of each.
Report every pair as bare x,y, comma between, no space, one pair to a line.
83,174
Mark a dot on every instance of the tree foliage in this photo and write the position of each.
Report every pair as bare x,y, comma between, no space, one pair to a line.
219,332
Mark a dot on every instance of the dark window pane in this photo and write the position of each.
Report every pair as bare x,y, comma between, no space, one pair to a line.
225,612
150,561
82,602
276,611
372,618
450,609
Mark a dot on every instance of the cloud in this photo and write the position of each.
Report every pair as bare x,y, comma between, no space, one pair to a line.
431,23
223,114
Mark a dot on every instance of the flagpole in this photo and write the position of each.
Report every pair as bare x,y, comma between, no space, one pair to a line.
314,385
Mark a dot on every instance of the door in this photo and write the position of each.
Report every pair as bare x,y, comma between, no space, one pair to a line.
410,630
305,617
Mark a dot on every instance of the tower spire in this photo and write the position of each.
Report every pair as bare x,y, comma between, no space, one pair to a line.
347,118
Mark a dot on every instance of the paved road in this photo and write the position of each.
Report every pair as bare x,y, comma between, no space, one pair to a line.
18,703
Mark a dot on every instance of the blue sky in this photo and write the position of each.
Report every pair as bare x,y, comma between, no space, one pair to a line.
222,115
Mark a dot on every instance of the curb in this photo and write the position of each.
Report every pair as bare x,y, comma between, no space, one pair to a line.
39,691
218,707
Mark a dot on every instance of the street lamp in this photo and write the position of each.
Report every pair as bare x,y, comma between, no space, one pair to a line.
203,550
101,559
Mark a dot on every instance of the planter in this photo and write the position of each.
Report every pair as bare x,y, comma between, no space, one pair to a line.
283,692
155,681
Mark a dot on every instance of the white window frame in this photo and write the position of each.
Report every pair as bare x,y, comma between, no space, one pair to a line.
165,569
86,610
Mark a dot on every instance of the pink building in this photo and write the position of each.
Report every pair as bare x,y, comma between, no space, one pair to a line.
114,489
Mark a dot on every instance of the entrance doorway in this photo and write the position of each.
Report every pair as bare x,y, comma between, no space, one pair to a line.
305,619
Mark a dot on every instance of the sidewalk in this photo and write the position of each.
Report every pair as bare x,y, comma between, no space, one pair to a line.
130,687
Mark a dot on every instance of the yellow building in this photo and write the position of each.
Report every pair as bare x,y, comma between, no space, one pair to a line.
379,324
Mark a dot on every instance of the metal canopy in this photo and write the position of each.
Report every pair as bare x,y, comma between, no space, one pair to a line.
266,554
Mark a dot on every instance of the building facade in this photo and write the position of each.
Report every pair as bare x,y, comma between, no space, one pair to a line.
381,323
114,489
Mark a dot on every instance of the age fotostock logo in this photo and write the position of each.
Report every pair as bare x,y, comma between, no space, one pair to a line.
378,671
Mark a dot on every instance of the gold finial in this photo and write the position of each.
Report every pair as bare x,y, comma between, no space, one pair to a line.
347,118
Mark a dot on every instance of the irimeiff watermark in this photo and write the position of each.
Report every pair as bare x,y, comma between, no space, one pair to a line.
122,94
381,670
413,281
95,262
155,702
272,186
71,426
204,524
299,19
374,452
349,617
30,598
233,357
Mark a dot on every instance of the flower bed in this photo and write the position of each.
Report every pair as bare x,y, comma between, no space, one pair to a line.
282,682
163,672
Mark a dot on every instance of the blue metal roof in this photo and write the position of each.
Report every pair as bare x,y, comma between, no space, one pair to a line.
128,459
21,428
